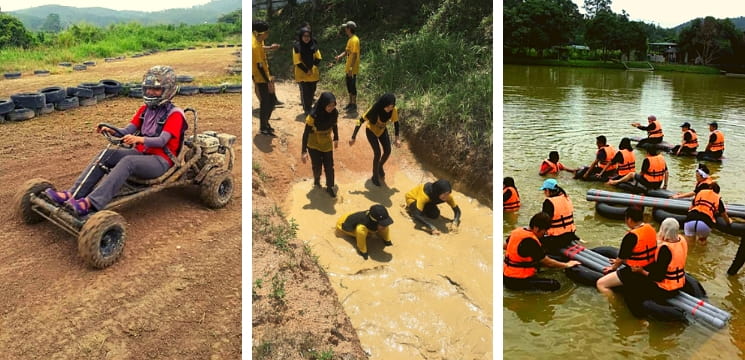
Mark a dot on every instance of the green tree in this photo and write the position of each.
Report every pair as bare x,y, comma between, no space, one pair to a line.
13,33
52,24
593,7
708,39
539,24
231,18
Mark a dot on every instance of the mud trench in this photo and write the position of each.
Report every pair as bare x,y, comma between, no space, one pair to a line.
425,297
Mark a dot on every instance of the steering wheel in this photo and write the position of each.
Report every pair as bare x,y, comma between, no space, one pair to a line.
115,139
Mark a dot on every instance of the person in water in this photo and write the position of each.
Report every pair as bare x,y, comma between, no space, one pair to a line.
638,247
690,141
701,217
422,201
703,181
624,160
715,147
654,174
523,254
360,224
553,166
602,159
320,124
510,196
558,206
653,129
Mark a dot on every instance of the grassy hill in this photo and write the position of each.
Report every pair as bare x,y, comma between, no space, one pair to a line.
33,18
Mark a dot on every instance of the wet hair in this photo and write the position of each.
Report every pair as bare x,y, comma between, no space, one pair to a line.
625,144
704,168
652,150
553,156
540,220
715,187
635,213
668,230
601,139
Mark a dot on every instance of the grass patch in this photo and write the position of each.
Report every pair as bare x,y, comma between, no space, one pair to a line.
278,289
697,69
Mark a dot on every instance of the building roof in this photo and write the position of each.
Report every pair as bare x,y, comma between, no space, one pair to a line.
664,44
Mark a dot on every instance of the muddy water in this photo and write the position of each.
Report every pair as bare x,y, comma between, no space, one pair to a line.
426,297
565,109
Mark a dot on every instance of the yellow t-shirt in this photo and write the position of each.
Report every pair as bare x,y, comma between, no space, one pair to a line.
320,140
417,194
258,56
300,76
353,47
379,127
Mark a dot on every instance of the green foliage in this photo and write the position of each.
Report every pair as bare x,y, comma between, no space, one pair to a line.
709,39
257,285
540,24
323,355
234,17
278,289
593,7
13,33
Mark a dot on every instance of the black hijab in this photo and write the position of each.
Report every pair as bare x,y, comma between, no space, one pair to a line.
306,50
377,112
324,120
437,188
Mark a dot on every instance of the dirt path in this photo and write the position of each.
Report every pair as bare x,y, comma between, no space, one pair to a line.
415,300
176,292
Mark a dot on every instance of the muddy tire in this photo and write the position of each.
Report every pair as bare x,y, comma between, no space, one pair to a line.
111,86
68,103
6,106
101,240
217,189
22,199
53,94
21,114
188,90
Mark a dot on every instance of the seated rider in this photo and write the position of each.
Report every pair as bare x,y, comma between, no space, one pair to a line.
654,172
653,129
155,131
690,141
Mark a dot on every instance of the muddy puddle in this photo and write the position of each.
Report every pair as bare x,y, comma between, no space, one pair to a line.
425,297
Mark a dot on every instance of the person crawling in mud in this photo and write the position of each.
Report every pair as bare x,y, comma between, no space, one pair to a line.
359,224
422,201
154,132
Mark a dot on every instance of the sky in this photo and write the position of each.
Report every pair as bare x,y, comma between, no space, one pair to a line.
671,13
136,5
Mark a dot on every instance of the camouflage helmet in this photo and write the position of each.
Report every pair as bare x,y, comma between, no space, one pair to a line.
159,76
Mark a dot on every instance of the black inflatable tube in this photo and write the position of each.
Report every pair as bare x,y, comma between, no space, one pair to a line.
609,211
660,214
581,172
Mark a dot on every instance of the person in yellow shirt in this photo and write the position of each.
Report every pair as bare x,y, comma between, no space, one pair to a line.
378,117
319,125
352,52
261,76
422,201
360,223
306,57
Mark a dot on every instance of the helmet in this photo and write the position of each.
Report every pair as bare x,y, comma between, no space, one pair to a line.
159,76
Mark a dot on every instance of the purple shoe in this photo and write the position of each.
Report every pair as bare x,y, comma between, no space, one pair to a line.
80,206
52,195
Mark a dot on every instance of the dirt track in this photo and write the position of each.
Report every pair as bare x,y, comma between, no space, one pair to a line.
176,292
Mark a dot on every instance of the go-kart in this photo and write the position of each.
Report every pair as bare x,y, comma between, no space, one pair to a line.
205,160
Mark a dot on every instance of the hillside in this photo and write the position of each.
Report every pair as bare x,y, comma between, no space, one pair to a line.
738,21
33,18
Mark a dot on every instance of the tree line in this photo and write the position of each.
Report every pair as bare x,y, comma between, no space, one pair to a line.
547,28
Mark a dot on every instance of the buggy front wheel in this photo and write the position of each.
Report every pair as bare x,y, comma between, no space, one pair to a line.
217,189
101,240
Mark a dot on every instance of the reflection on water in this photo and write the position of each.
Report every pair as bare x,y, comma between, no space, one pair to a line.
564,109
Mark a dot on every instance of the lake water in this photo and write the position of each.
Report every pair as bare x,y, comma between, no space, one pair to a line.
564,109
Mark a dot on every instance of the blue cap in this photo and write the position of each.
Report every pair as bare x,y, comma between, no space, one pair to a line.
549,184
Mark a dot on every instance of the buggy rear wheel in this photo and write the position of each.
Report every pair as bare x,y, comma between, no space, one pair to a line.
22,199
101,240
217,189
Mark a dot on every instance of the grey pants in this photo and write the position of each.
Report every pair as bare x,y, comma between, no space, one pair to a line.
122,164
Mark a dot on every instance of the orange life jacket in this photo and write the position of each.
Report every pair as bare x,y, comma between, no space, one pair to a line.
657,132
513,203
693,143
718,143
610,152
553,167
563,220
645,249
675,276
656,171
707,202
629,162
516,266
